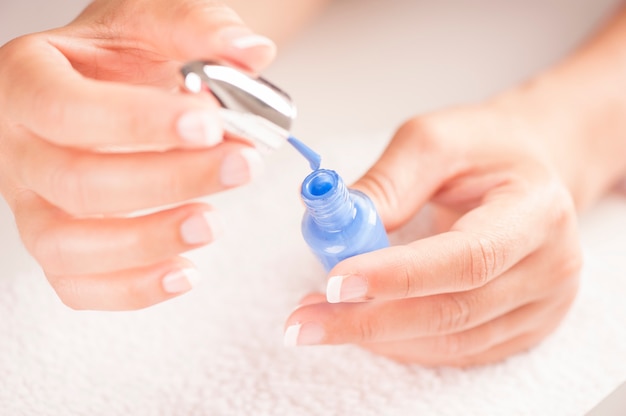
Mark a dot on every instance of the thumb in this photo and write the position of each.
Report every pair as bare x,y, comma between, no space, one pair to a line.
409,172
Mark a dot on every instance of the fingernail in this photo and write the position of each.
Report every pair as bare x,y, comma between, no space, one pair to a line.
344,288
201,228
241,167
242,38
310,333
201,128
180,281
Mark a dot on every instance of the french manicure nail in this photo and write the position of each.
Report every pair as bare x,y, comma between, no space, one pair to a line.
201,228
242,38
202,128
241,167
310,333
180,281
345,288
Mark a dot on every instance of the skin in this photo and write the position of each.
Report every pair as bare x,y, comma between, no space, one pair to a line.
506,177
278,19
91,133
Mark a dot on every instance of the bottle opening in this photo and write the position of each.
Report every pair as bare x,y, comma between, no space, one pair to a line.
320,182
327,200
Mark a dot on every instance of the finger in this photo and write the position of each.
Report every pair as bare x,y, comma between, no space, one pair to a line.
85,183
50,99
408,352
126,290
483,244
408,173
401,352
184,30
64,245
189,30
508,348
429,316
484,341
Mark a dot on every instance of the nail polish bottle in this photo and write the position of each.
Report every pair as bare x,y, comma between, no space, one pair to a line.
338,222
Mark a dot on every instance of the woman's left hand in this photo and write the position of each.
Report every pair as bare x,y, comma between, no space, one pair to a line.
496,278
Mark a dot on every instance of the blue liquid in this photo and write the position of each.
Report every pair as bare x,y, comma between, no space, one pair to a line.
315,160
338,222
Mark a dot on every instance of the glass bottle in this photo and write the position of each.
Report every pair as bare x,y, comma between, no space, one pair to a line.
338,222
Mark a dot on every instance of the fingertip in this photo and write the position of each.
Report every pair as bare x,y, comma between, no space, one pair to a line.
200,128
241,167
180,281
201,228
247,48
308,333
346,288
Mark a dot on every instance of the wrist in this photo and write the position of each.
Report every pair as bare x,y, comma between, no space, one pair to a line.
577,112
579,125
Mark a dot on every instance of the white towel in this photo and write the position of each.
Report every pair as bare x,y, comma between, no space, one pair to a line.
219,350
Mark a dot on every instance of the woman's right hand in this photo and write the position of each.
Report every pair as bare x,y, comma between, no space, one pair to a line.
93,129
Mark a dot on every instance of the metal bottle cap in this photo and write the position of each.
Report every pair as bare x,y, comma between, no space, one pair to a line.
252,107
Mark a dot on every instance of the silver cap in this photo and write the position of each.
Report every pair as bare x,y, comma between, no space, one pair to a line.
253,108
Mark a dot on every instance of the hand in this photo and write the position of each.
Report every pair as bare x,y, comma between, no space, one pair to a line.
498,275
94,129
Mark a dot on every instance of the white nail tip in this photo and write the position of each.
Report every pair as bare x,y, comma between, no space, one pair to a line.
251,41
180,281
333,289
193,276
200,128
291,335
215,224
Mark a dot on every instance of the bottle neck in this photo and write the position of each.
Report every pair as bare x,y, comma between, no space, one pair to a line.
327,200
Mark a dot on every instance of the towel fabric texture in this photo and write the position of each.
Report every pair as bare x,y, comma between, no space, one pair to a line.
219,350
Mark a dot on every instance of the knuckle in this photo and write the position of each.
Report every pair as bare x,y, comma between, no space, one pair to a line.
450,345
174,187
481,260
368,329
12,54
409,278
423,133
432,135
569,268
382,189
562,207
203,10
573,264
133,127
564,236
51,111
136,291
451,315
132,293
16,58
48,249
68,290
68,190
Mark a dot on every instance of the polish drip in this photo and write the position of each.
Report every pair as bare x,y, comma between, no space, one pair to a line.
315,160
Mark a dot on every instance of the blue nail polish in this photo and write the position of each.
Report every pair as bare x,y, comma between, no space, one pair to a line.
315,160
339,222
